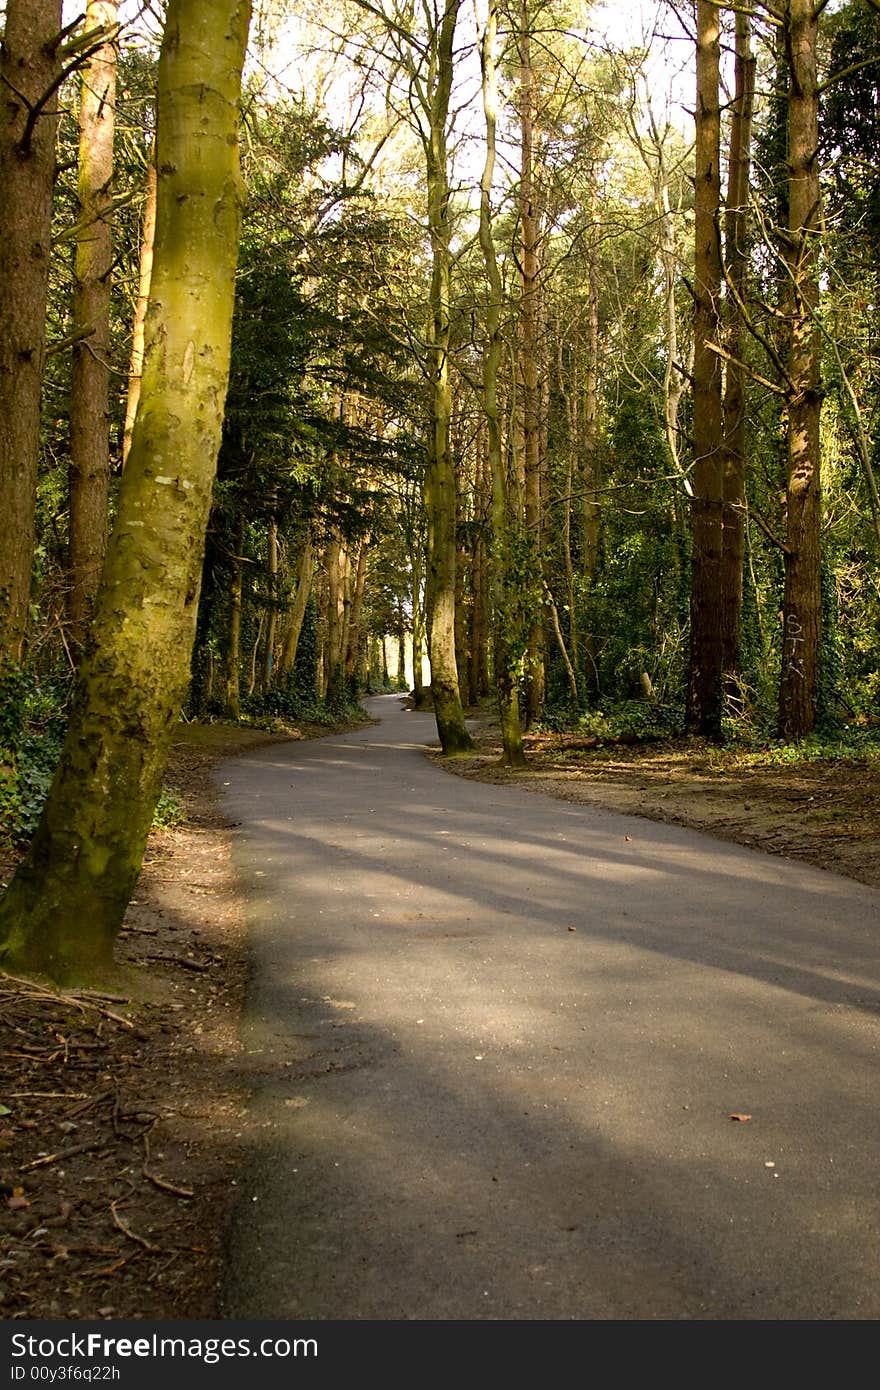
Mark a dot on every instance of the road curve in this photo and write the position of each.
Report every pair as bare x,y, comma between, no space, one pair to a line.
495,1041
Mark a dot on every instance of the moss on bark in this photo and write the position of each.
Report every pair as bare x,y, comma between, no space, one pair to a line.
65,905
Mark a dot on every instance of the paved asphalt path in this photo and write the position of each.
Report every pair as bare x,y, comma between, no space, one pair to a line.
495,1041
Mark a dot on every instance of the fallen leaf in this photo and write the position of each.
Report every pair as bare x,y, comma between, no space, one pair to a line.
627,837
572,929
744,1119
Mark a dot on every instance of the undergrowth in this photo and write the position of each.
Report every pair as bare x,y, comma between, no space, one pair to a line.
751,740
33,719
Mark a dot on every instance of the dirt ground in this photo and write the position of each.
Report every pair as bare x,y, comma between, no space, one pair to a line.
824,812
123,1117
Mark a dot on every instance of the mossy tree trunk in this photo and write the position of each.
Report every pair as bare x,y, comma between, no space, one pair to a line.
64,907
30,66
89,468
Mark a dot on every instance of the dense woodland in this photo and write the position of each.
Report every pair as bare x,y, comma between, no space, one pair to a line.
536,382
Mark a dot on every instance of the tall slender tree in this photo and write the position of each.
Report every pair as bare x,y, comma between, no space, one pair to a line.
505,606
30,73
61,913
90,387
802,600
736,222
705,674
529,346
440,490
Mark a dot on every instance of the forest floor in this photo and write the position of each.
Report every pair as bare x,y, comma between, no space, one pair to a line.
821,811
123,1116
123,1123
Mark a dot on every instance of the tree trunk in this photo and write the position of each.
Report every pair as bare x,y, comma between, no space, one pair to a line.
505,653
440,475
418,627
89,470
30,66
479,667
802,603
232,655
272,610
528,352
733,451
591,467
64,907
353,640
304,579
145,271
705,674
463,619
333,648
401,648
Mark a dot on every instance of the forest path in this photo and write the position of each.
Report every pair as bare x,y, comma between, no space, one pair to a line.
464,1109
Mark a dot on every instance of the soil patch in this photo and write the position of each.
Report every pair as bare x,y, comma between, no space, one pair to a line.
123,1118
824,812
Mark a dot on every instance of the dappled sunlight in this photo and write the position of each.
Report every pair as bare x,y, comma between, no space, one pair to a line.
499,1041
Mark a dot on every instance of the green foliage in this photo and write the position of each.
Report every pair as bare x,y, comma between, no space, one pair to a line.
169,813
846,745
523,594
850,124
32,721
612,721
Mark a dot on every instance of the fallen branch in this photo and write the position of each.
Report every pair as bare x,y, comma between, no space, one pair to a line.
166,1186
154,1178
64,1153
76,1001
89,1102
132,1235
46,1095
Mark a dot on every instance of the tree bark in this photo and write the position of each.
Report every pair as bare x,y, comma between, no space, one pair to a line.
705,672
418,626
802,601
335,564
30,65
145,271
505,608
353,639
64,907
268,664
529,350
89,469
232,654
733,450
440,474
304,580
